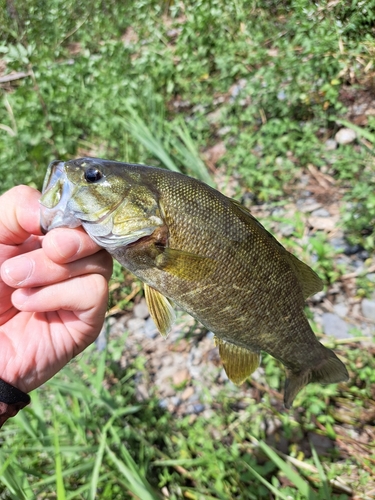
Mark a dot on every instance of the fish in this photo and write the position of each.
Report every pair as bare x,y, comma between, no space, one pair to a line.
195,248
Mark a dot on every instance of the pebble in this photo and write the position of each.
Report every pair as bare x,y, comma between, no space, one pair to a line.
135,324
101,341
224,130
188,393
150,329
352,249
181,376
368,308
330,144
321,443
287,229
318,297
338,243
334,326
321,212
341,309
141,310
345,136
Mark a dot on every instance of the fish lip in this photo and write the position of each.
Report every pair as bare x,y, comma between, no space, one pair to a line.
57,215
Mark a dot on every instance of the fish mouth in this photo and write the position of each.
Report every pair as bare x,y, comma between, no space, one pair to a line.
56,193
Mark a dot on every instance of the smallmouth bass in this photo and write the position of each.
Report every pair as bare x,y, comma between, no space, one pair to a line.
194,246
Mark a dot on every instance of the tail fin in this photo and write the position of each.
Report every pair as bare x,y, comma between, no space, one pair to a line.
330,370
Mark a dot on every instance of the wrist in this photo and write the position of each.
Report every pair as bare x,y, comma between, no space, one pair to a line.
11,401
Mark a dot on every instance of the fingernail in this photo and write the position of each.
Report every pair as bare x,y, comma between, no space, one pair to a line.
18,270
65,246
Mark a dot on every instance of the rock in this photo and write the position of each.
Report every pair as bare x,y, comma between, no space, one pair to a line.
321,443
198,408
338,243
318,297
368,308
321,212
150,329
345,136
330,144
340,309
141,392
181,376
224,130
334,326
352,249
214,117
101,341
188,392
141,310
135,324
287,229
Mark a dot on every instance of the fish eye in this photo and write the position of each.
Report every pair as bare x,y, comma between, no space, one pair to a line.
92,174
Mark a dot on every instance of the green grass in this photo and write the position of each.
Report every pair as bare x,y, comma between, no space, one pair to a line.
87,436
161,82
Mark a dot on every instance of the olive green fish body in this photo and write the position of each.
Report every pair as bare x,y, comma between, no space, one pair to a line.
208,254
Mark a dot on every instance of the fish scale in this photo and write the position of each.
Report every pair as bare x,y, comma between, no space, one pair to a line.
205,252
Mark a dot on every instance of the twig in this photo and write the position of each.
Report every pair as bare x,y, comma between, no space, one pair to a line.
359,272
13,76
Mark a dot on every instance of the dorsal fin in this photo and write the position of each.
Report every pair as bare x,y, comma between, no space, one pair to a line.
239,363
308,279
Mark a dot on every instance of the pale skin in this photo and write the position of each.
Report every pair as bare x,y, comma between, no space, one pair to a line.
53,292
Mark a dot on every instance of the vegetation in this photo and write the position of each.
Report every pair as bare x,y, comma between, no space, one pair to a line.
249,90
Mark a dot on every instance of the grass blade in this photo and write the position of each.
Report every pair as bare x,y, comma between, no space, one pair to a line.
302,485
136,483
322,474
270,486
60,489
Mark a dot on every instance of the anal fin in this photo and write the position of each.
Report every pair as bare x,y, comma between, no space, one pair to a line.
239,363
160,309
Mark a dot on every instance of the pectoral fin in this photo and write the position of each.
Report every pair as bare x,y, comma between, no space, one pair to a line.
160,309
185,265
239,363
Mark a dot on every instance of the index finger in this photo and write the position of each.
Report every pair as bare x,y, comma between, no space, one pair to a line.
63,245
20,215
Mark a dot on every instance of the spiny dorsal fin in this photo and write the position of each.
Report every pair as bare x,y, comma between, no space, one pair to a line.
185,265
160,309
239,363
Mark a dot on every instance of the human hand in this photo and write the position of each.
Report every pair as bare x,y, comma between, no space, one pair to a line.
53,292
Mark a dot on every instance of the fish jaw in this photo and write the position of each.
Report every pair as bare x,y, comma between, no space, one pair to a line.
57,191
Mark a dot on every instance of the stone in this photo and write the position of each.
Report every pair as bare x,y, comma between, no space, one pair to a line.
224,130
181,376
187,393
368,308
340,309
150,329
345,136
321,212
286,229
335,326
330,144
135,324
141,310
